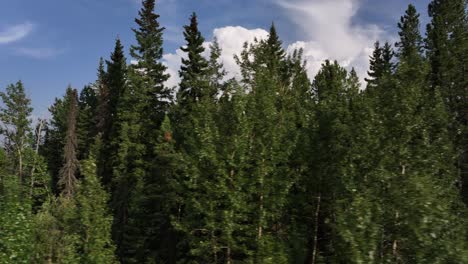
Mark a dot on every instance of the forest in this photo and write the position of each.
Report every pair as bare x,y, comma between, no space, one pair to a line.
272,167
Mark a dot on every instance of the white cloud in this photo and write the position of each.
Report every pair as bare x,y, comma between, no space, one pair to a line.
331,34
231,41
173,62
15,33
328,30
39,53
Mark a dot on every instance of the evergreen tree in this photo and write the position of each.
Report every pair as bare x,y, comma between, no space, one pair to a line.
410,37
162,200
86,121
148,54
194,67
447,49
102,108
272,140
115,82
216,71
70,166
54,142
331,147
94,220
380,65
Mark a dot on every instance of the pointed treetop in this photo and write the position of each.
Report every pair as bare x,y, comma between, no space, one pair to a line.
387,56
118,53
410,43
274,43
149,37
380,63
194,67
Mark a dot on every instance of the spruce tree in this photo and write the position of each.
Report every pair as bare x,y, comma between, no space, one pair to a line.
86,120
403,164
447,49
410,36
162,200
115,80
54,143
273,137
216,71
94,220
194,67
148,54
102,108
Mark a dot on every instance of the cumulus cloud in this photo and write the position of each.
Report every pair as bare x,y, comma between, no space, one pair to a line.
328,30
331,34
15,32
231,41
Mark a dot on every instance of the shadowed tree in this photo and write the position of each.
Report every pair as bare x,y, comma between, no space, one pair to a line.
69,170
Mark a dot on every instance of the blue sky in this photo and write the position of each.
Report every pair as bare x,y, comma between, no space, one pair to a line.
49,44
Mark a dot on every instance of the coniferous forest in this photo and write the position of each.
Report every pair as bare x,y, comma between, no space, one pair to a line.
272,167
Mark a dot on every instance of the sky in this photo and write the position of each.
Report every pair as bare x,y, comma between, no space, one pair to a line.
51,44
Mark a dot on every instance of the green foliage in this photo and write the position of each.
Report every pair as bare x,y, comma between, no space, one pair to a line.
94,219
194,67
16,223
86,127
447,51
268,168
15,124
114,87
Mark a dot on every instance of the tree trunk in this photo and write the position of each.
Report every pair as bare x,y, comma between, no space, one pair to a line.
316,220
36,151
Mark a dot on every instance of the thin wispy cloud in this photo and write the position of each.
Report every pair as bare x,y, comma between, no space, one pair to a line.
16,32
39,53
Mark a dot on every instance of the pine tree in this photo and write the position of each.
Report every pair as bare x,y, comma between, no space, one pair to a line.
380,65
216,71
115,82
86,121
125,156
331,146
70,166
447,49
162,200
102,108
194,67
148,54
410,37
375,66
408,166
272,140
94,220
275,54
54,143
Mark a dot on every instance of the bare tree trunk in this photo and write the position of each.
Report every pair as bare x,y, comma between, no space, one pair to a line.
260,209
36,151
316,220
20,165
228,255
397,216
260,229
